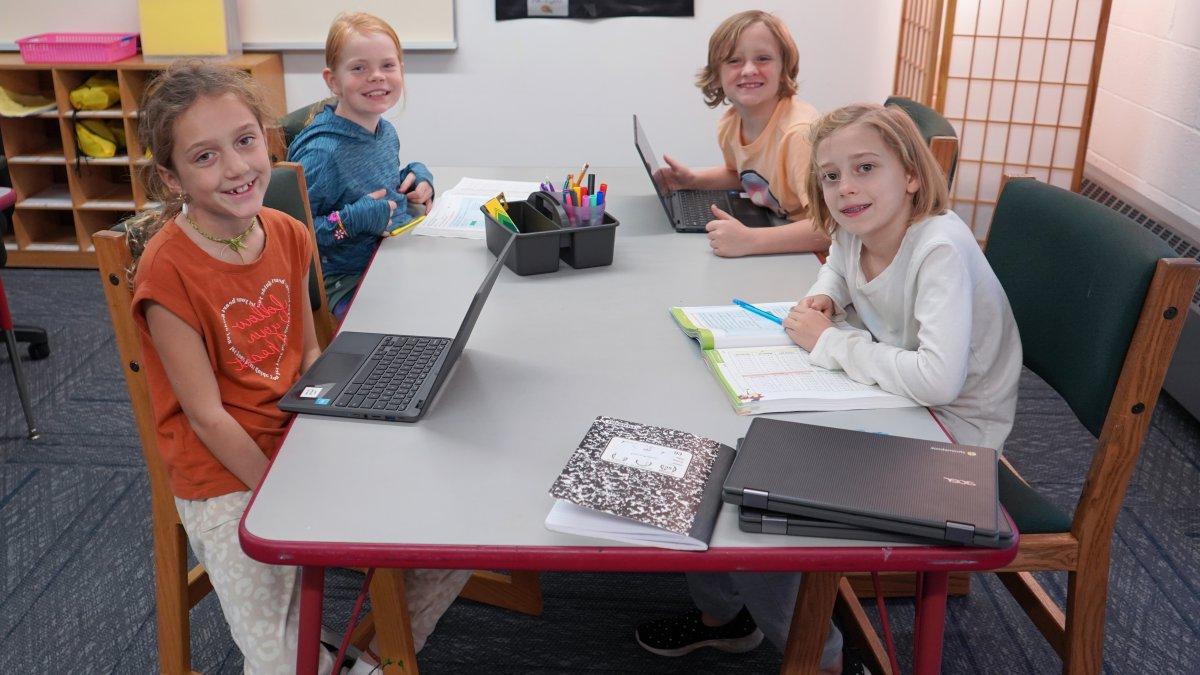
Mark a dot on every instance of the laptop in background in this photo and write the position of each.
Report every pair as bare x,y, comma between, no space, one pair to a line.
393,378
935,490
688,210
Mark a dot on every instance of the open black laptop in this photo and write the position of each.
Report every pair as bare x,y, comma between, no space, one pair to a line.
385,377
688,210
933,490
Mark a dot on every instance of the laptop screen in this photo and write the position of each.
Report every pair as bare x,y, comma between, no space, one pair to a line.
468,322
477,302
650,161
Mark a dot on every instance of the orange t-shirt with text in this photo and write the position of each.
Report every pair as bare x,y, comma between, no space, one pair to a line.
250,318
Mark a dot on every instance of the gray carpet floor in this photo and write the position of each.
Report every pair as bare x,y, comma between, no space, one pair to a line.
76,570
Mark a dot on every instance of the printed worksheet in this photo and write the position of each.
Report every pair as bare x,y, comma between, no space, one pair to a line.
782,379
456,212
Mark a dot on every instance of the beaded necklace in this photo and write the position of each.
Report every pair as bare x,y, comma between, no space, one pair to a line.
235,243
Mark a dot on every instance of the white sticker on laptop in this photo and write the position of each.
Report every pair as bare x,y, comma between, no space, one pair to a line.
647,457
310,392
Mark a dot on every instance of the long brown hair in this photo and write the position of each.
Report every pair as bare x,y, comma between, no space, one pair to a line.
901,136
166,98
724,40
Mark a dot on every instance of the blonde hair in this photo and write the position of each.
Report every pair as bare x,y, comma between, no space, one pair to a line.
355,23
901,136
165,99
723,42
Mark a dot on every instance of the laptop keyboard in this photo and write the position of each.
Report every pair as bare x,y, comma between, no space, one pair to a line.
392,374
696,204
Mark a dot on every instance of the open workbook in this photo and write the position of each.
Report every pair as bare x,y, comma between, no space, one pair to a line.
641,484
762,371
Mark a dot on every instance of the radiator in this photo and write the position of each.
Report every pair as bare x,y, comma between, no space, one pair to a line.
1183,377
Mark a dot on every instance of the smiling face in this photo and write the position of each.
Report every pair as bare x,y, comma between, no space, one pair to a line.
750,75
864,183
368,78
220,162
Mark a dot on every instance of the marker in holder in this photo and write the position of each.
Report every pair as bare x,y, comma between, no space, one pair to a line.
590,210
545,235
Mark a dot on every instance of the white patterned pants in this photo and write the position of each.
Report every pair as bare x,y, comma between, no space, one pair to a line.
261,603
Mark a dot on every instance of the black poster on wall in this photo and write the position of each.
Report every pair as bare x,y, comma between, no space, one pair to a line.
590,9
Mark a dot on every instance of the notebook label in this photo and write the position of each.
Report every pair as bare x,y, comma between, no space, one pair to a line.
310,392
647,456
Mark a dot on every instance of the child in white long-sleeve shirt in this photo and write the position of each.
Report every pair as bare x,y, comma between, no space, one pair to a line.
938,327
935,326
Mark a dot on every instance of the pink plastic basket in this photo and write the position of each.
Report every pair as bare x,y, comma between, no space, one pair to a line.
78,47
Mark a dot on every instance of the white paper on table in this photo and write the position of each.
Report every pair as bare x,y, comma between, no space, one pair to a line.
456,212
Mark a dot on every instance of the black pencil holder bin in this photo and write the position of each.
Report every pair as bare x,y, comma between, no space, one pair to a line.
544,237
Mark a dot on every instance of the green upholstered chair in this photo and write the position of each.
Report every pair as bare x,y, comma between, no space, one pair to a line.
292,123
938,133
288,192
1099,302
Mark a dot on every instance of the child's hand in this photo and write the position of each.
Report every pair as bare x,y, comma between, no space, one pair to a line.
822,303
378,194
727,236
805,325
674,176
421,194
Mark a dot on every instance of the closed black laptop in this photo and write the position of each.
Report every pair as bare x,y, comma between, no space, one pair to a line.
936,491
688,210
773,522
385,377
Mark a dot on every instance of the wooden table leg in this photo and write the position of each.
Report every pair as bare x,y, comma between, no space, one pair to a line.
312,596
810,622
393,625
930,623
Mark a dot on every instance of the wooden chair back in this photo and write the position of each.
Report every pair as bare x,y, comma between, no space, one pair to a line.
1100,303
177,589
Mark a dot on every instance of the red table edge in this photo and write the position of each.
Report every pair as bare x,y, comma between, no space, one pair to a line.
602,558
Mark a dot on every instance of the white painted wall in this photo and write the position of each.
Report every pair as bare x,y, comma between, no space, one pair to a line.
536,92
1145,137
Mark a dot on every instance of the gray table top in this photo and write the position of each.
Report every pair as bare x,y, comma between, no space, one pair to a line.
549,353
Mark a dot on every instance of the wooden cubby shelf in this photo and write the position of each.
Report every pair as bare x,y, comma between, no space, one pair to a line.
63,196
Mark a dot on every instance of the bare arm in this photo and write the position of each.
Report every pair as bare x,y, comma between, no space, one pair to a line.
794,237
185,360
729,238
311,349
716,178
678,176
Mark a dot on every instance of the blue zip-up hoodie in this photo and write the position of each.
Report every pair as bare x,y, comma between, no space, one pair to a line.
343,163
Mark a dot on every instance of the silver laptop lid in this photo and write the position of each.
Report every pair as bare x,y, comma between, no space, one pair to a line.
650,161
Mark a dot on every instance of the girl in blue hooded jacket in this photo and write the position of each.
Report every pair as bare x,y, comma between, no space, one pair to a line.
356,187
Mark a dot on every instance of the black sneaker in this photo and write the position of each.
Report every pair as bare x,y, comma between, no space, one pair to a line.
683,634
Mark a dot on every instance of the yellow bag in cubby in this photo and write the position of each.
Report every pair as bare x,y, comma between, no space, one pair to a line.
117,127
95,138
98,92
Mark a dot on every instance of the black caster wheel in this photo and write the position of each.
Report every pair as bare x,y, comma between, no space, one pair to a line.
39,350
